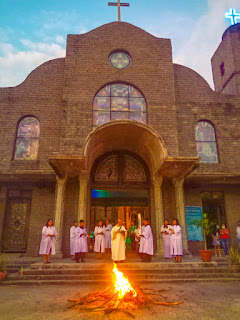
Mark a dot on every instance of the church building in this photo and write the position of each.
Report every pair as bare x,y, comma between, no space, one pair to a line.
116,129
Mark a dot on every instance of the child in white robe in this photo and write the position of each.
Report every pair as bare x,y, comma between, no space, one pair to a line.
74,236
176,247
108,229
166,239
99,245
47,245
82,241
146,242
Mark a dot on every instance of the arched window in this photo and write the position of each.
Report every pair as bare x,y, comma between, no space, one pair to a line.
27,139
206,142
119,101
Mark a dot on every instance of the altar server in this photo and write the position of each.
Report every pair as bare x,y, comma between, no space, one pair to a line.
74,236
82,242
176,247
99,245
166,239
146,242
118,236
108,228
47,245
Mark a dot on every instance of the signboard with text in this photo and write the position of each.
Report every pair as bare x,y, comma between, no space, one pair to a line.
193,213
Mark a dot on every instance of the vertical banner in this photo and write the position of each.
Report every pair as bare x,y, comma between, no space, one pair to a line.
193,213
140,223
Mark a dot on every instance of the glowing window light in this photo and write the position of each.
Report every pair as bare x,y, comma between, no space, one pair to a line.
233,16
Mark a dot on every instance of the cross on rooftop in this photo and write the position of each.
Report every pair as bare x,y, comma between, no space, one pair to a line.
119,5
233,16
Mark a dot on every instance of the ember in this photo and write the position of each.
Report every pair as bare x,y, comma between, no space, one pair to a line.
122,297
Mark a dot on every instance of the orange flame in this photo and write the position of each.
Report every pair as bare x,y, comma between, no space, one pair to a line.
122,285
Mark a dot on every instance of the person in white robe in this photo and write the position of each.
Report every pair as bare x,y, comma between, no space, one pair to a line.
47,245
166,239
82,242
99,245
176,247
118,236
108,228
74,236
146,242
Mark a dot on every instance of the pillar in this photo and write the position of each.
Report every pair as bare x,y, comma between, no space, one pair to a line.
59,210
82,200
180,210
157,185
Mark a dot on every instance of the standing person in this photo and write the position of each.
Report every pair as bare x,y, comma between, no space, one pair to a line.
108,228
216,242
176,247
47,245
99,245
238,235
224,236
132,236
82,242
74,235
166,239
146,242
118,236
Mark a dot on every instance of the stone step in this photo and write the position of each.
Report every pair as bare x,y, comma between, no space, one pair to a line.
92,271
136,278
106,282
123,266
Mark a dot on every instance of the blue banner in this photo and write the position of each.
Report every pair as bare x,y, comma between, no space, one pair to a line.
193,213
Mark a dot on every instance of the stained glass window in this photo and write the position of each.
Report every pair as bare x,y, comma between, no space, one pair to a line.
27,141
206,142
119,101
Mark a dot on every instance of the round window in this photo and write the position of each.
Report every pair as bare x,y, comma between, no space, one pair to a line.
120,60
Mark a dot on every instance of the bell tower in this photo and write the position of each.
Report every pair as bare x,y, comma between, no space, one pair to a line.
226,62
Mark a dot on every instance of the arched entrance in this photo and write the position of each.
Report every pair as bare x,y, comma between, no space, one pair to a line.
119,186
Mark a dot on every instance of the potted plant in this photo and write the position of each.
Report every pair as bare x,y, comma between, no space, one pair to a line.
206,226
3,264
234,260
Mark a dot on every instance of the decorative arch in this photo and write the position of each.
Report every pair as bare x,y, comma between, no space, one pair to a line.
127,135
119,101
27,139
205,137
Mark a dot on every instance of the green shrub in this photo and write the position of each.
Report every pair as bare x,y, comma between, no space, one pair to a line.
234,256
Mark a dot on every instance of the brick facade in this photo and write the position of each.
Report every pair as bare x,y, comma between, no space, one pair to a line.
60,94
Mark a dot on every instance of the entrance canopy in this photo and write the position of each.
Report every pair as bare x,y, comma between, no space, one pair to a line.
124,135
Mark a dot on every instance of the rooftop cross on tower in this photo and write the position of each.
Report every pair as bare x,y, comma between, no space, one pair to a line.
233,16
119,5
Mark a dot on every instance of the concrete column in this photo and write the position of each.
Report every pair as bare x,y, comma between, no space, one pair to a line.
157,184
82,200
180,210
59,210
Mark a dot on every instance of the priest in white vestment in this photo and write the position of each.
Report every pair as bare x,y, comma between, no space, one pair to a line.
118,236
74,236
146,242
47,245
108,228
176,247
99,245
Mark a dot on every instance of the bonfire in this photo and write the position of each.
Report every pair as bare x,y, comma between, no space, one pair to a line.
120,297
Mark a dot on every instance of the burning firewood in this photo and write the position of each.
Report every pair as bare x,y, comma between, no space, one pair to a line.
121,297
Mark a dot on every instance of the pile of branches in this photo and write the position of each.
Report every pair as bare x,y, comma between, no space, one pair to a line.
108,301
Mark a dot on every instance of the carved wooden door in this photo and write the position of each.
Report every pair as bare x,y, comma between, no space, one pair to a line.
16,225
